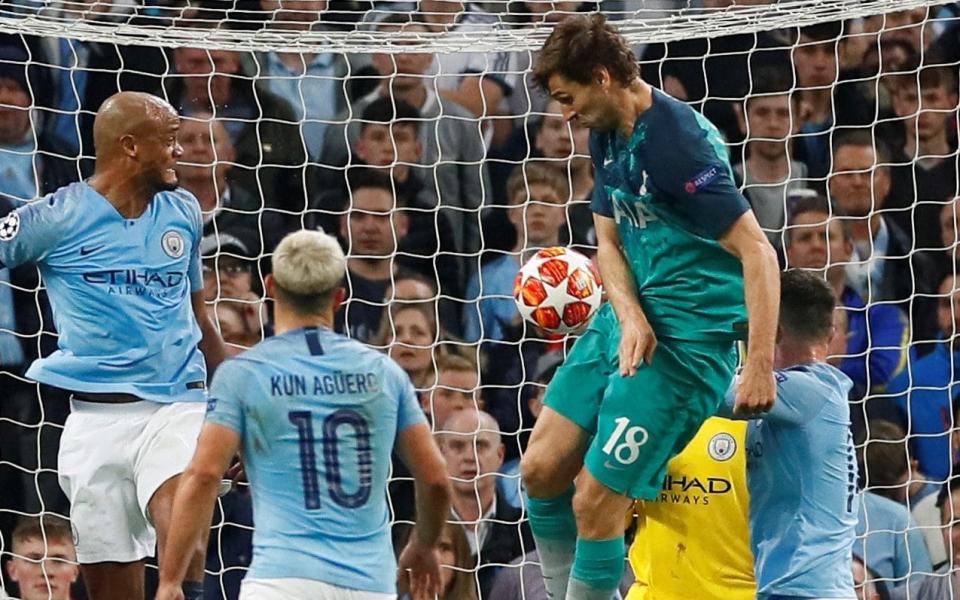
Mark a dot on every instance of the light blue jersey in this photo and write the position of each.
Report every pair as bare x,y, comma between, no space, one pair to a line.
318,415
802,477
120,291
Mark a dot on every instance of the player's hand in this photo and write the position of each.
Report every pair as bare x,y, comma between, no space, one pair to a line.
169,592
637,343
419,570
237,473
756,391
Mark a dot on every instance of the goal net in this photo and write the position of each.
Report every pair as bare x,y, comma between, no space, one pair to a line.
413,131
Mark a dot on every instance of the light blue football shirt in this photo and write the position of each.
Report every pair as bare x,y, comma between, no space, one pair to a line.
318,414
120,291
802,477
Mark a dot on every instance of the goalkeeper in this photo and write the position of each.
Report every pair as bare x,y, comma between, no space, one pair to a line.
680,253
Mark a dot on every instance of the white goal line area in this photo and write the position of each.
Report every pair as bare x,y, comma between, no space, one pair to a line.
428,151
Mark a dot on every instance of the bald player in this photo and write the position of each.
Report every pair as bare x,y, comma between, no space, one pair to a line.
119,255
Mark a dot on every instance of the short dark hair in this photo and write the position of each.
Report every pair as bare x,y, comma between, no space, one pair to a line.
885,457
770,81
359,178
823,32
52,527
863,137
806,305
578,46
390,110
529,173
816,204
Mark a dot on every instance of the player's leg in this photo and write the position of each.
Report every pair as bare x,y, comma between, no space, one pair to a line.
95,467
166,447
554,454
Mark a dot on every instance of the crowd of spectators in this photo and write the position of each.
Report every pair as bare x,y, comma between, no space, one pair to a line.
442,173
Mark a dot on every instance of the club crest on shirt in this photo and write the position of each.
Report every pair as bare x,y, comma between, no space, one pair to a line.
9,227
172,243
722,447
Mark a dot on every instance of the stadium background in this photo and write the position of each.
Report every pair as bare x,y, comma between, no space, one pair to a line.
411,141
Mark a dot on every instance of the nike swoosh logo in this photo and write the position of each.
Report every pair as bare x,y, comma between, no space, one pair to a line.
608,465
85,250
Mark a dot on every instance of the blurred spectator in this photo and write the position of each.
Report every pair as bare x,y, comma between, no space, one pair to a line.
372,229
44,563
30,164
457,581
883,266
235,327
536,199
923,392
310,82
497,532
926,171
876,333
458,380
564,145
889,541
204,170
825,103
863,581
449,165
269,151
768,172
409,333
231,287
945,583
888,469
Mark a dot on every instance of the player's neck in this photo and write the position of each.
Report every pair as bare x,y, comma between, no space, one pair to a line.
635,100
285,320
791,353
128,195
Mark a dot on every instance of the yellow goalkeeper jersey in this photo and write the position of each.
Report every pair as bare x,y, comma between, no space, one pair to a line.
694,540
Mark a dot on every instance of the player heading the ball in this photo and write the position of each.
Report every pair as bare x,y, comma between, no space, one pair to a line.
684,263
317,416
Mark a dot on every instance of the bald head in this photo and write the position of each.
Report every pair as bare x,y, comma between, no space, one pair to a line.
471,445
136,134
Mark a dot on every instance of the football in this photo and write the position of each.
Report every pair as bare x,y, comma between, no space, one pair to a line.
558,290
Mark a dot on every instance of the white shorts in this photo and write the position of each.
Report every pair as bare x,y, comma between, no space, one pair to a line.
302,589
113,457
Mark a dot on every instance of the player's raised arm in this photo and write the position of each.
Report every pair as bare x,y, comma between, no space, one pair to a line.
31,232
637,342
193,505
420,453
761,283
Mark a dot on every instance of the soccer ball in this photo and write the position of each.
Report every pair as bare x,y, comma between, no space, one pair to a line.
558,290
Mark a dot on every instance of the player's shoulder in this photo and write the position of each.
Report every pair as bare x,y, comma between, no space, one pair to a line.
821,378
178,199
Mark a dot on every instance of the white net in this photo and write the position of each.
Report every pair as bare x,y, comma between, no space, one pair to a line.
409,133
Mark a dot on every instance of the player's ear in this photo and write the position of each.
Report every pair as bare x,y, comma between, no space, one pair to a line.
339,297
602,77
270,286
128,145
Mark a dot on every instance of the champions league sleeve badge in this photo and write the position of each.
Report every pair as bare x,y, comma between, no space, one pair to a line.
9,227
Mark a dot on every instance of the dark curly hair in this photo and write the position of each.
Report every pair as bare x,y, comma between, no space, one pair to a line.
579,45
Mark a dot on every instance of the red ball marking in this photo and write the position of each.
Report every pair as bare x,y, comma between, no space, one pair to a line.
518,284
533,292
580,284
575,313
554,271
551,252
546,317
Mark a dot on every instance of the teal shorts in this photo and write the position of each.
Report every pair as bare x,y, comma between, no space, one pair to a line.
639,423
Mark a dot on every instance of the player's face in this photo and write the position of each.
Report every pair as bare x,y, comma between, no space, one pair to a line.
471,457
454,392
413,340
44,573
587,105
857,184
159,152
768,125
538,218
14,112
369,226
815,62
950,518
815,244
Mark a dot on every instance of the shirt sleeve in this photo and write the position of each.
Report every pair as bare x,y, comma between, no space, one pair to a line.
691,169
32,232
196,265
600,199
225,400
911,555
798,401
409,412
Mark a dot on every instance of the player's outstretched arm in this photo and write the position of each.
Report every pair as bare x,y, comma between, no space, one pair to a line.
761,281
419,565
193,505
637,340
211,344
